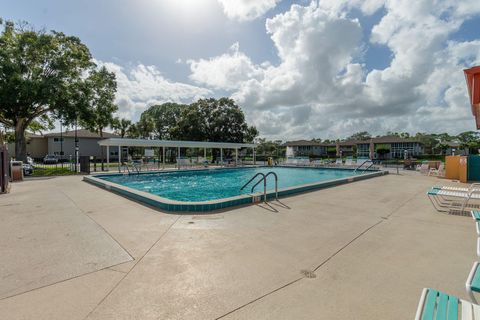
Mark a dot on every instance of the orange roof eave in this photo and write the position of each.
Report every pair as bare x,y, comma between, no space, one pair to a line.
472,77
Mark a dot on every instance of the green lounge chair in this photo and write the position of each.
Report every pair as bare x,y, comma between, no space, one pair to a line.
436,305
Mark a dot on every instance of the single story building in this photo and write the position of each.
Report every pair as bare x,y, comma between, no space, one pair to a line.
62,144
386,147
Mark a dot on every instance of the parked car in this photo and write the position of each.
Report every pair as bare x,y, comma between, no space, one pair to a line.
27,169
50,159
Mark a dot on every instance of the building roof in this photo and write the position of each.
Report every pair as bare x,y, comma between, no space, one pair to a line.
302,143
33,135
351,142
122,142
392,139
82,133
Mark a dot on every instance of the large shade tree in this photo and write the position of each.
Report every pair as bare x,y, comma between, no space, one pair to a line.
162,118
100,95
214,120
42,74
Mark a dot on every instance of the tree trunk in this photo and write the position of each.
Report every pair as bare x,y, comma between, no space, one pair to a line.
20,141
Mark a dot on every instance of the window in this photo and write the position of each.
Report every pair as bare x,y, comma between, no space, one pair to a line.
57,139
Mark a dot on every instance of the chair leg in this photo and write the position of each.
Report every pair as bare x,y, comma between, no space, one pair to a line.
468,283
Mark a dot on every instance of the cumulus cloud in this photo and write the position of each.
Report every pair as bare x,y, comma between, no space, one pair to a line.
225,71
141,86
243,10
320,88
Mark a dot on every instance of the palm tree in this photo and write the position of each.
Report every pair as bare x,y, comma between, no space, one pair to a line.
121,126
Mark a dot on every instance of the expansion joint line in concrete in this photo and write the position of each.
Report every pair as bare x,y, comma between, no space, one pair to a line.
133,267
346,245
300,278
321,264
100,226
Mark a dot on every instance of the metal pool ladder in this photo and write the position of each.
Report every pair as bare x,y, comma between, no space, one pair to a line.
365,169
264,179
125,166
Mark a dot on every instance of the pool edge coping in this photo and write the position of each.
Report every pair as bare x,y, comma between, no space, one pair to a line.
175,206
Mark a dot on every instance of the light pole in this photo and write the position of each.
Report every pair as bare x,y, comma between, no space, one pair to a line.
76,147
61,142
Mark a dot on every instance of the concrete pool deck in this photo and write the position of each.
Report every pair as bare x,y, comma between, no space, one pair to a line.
73,251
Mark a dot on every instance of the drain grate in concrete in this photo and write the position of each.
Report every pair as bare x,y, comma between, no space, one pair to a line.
308,274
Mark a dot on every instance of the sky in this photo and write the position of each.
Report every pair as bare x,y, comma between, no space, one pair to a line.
299,69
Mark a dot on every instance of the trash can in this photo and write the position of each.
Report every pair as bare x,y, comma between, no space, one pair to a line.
17,170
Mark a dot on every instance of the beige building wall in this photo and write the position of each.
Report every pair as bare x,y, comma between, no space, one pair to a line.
37,147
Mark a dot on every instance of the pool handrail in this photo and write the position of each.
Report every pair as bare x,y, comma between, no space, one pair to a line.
367,161
265,183
246,184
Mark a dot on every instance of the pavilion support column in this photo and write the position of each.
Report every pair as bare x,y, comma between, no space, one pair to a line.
178,157
163,157
221,156
108,157
119,156
236,156
254,157
205,153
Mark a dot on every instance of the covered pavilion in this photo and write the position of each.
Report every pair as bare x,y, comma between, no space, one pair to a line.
145,143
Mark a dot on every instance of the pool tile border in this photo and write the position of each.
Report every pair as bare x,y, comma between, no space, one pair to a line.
170,205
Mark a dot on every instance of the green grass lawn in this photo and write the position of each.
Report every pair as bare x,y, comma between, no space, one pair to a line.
53,171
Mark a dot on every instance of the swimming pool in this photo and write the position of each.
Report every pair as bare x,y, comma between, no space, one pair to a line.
210,189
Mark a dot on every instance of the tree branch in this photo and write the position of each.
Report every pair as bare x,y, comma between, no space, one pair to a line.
6,122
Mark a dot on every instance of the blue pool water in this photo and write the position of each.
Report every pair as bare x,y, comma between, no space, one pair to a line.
205,185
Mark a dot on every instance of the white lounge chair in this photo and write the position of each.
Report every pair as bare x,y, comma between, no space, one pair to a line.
472,186
424,168
290,162
349,162
361,161
440,172
438,305
473,282
183,163
446,200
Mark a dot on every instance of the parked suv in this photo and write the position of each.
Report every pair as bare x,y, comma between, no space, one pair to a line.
50,159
